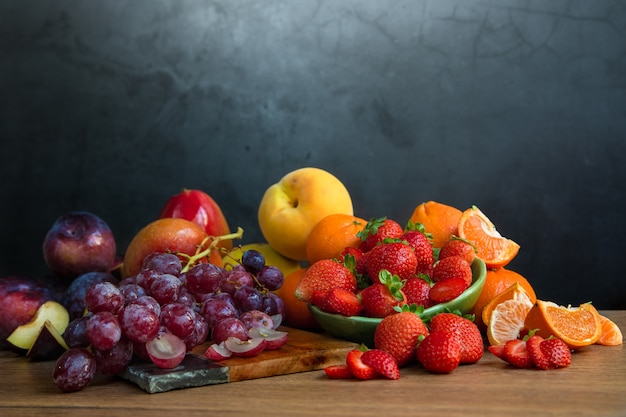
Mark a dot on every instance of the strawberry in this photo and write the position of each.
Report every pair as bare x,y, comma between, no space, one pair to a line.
379,299
458,246
416,291
341,301
557,352
357,367
382,362
439,352
447,289
516,353
420,243
497,351
452,267
355,252
376,230
396,257
465,330
323,276
533,344
338,372
549,353
398,334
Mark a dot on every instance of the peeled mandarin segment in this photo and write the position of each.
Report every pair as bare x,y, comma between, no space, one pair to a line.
576,326
511,293
496,250
507,319
611,333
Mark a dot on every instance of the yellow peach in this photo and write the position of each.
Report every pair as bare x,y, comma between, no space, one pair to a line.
291,207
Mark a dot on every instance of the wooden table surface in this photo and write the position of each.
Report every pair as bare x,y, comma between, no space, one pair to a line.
593,385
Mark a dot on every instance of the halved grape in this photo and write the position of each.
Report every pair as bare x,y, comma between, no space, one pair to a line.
166,350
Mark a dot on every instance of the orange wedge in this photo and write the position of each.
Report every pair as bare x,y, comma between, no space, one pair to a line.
513,292
611,334
576,326
496,250
507,319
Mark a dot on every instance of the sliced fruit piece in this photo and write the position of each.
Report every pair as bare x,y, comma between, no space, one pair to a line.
576,326
218,352
611,334
166,350
496,250
245,348
24,336
338,372
511,293
507,319
274,339
48,345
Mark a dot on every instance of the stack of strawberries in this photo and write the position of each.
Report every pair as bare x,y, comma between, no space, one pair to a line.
391,267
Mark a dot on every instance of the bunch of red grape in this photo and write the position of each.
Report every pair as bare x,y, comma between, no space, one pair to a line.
166,310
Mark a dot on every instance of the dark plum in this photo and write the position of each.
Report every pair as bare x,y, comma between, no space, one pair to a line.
79,242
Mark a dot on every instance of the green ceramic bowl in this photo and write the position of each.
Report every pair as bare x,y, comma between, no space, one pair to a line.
361,329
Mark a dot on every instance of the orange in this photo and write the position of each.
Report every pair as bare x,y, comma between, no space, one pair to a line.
611,334
297,313
576,326
440,220
332,234
496,282
507,319
166,234
514,292
496,250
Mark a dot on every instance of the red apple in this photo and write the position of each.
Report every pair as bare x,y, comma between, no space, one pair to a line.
20,298
200,208
79,242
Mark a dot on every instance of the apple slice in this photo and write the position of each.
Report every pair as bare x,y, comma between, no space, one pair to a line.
48,345
24,337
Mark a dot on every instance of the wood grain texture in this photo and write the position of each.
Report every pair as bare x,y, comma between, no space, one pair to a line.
593,385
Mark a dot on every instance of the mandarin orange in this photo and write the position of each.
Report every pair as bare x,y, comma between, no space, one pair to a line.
576,326
332,234
297,313
611,333
496,250
496,282
507,319
440,220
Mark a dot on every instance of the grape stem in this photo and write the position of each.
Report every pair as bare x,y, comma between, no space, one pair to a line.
204,253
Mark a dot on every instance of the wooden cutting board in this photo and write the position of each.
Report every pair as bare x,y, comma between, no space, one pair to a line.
304,351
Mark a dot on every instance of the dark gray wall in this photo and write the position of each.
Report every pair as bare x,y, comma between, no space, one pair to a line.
518,107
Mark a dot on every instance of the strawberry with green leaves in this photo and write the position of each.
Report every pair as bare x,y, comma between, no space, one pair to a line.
457,246
415,236
551,353
398,334
466,332
417,291
394,256
380,298
439,352
321,277
452,267
376,230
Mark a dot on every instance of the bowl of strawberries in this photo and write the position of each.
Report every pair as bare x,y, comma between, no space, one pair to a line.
360,327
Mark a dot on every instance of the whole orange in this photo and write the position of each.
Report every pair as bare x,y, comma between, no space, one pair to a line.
440,220
496,282
163,235
297,313
332,234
